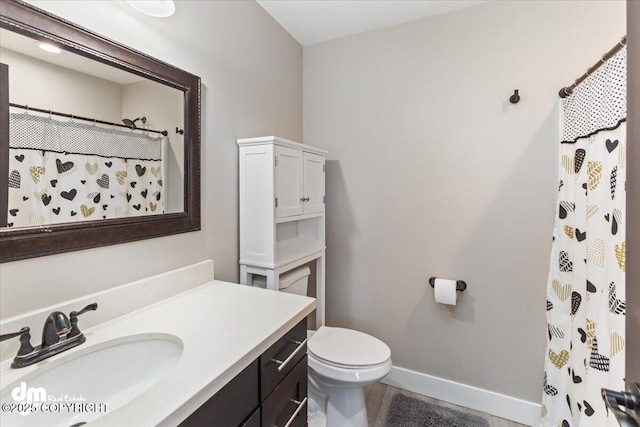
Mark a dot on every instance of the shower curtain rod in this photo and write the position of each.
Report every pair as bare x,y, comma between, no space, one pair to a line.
566,91
87,119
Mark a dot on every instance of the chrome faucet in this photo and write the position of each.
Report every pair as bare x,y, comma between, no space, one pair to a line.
60,333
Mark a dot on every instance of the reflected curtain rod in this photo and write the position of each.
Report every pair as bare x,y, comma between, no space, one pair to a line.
87,119
566,91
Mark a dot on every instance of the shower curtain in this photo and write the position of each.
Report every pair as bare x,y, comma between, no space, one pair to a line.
586,286
64,171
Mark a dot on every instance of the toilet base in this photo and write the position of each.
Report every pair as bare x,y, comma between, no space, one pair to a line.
316,419
345,407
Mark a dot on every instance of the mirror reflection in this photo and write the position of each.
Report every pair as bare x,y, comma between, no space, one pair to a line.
87,141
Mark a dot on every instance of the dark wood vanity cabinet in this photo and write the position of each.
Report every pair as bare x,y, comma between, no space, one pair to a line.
270,392
287,401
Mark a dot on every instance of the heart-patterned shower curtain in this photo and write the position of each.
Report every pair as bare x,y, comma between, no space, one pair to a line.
68,171
586,287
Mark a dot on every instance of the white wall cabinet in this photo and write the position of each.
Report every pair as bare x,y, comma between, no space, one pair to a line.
299,182
282,205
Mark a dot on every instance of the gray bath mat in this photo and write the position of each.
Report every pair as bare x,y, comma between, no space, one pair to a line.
406,411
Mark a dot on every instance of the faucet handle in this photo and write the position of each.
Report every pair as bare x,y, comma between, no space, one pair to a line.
25,340
24,330
73,318
90,307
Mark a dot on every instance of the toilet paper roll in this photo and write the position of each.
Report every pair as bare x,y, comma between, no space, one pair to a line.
445,291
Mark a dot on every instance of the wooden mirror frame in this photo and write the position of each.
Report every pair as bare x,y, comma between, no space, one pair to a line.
29,242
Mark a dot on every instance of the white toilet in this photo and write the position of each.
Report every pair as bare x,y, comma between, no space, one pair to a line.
341,362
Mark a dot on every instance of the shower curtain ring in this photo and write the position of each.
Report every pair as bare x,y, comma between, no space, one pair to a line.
623,41
26,107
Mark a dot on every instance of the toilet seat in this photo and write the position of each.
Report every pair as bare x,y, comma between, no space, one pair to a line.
343,365
347,349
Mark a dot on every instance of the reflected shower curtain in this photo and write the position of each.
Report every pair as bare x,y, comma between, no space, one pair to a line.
586,287
67,171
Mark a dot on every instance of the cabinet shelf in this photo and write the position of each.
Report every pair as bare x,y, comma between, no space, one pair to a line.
299,217
288,255
293,253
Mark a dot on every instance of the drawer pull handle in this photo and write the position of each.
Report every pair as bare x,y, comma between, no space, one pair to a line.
298,409
288,359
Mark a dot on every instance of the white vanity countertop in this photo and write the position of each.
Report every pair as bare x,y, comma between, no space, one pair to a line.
223,328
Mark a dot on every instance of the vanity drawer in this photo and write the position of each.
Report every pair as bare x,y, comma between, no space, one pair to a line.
287,401
231,405
288,351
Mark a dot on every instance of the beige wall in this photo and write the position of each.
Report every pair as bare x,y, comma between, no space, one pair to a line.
432,172
41,84
251,72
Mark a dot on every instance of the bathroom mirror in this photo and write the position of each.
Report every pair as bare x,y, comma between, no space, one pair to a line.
99,144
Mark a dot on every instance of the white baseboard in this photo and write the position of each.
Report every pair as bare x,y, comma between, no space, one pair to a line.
486,401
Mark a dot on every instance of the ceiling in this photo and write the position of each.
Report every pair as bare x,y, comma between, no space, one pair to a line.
315,21
29,47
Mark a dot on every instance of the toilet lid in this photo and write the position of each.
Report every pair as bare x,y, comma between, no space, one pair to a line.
346,347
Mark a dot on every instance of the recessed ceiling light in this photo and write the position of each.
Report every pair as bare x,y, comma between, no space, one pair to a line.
157,8
49,48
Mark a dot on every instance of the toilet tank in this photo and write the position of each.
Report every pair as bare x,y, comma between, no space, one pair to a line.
294,281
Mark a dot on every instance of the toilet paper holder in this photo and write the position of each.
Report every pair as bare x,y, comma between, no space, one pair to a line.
461,285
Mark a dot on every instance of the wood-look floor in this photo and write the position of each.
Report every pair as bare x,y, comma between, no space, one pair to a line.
378,398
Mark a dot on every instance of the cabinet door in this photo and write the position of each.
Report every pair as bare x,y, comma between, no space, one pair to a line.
313,183
288,182
253,420
229,406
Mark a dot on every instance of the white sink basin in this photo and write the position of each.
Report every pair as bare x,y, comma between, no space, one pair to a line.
106,378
